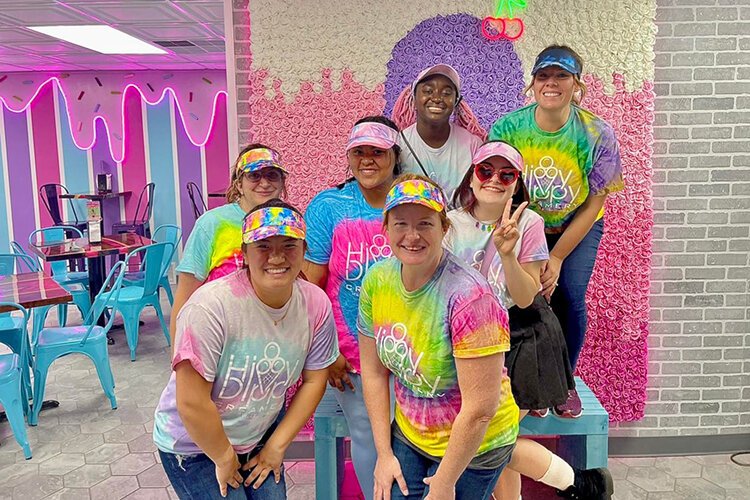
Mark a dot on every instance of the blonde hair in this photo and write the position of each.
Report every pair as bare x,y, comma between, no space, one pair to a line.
444,221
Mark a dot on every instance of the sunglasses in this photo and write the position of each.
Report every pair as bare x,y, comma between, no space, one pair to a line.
484,172
269,174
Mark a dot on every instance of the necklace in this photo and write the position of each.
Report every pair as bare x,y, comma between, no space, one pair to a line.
488,228
277,321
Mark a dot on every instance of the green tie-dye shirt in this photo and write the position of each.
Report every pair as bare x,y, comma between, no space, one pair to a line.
562,168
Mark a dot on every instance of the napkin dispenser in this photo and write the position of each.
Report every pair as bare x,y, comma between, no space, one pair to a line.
104,183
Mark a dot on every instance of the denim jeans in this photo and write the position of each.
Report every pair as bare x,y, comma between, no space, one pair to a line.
473,484
363,445
193,477
569,300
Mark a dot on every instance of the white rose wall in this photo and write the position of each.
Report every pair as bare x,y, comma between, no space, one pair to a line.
316,67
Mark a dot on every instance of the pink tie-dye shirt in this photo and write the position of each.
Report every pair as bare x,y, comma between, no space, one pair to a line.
229,337
345,234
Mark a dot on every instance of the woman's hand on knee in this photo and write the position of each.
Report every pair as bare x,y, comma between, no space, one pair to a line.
268,460
228,471
438,490
388,469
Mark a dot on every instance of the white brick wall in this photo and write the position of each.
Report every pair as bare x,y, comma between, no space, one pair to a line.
699,380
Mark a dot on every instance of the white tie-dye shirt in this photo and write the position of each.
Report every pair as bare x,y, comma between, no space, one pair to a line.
228,336
467,238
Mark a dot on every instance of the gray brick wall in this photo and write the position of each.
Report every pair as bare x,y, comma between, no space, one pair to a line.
699,359
699,381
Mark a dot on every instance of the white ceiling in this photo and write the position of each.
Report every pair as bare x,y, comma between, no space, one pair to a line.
198,21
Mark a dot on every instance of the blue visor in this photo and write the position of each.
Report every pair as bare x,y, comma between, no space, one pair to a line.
557,57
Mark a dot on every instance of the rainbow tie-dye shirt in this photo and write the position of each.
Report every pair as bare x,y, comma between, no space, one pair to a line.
468,239
214,248
419,334
562,168
250,353
345,233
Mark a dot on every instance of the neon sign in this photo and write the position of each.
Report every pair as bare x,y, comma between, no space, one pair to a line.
503,24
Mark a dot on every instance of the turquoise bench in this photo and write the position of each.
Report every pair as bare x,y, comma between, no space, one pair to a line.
582,443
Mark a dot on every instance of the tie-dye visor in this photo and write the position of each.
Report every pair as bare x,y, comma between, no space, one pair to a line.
272,221
372,134
415,191
501,149
259,158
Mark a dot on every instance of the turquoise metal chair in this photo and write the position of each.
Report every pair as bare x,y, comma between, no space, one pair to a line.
75,282
13,396
166,233
12,328
134,298
89,339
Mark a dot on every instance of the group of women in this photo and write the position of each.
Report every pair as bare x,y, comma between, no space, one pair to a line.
440,321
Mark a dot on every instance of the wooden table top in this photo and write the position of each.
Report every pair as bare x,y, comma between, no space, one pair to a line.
31,290
81,248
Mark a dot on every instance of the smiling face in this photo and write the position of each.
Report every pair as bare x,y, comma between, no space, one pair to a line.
435,99
554,88
269,185
492,191
372,166
416,235
274,262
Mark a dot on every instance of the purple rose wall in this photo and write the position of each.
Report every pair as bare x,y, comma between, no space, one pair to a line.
305,92
148,126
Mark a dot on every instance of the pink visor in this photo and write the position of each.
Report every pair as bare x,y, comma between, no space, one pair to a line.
446,70
372,134
501,149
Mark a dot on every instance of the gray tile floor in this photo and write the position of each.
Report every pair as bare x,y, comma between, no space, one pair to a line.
83,449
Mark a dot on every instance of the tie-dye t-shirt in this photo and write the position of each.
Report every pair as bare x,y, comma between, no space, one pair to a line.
214,248
418,334
563,167
468,239
345,233
229,337
445,165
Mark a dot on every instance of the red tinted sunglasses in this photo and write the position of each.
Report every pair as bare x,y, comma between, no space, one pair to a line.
484,172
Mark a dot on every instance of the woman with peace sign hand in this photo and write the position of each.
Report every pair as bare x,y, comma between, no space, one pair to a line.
492,231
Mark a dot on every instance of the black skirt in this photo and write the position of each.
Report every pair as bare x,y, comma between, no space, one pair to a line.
538,364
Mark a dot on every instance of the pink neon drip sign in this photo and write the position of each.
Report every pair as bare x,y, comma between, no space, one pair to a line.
89,97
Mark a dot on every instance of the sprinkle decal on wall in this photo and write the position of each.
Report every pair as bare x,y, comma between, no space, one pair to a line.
503,24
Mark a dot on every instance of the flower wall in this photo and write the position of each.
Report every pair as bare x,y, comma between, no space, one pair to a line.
316,67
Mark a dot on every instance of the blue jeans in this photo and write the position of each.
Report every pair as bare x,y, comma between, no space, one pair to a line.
352,403
473,484
569,300
193,477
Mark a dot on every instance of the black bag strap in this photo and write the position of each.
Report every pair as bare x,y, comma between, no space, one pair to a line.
411,150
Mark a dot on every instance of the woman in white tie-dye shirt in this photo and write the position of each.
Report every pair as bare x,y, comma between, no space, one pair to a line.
242,340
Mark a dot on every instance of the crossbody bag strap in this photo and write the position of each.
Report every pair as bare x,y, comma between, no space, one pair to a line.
411,150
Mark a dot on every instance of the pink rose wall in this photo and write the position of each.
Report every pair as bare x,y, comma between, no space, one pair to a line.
309,125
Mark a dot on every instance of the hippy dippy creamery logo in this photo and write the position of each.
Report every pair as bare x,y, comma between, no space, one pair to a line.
257,382
399,357
360,257
550,187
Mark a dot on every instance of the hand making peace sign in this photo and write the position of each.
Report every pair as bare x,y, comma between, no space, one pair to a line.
506,234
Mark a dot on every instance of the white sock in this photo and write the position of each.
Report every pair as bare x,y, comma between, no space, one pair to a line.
560,475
